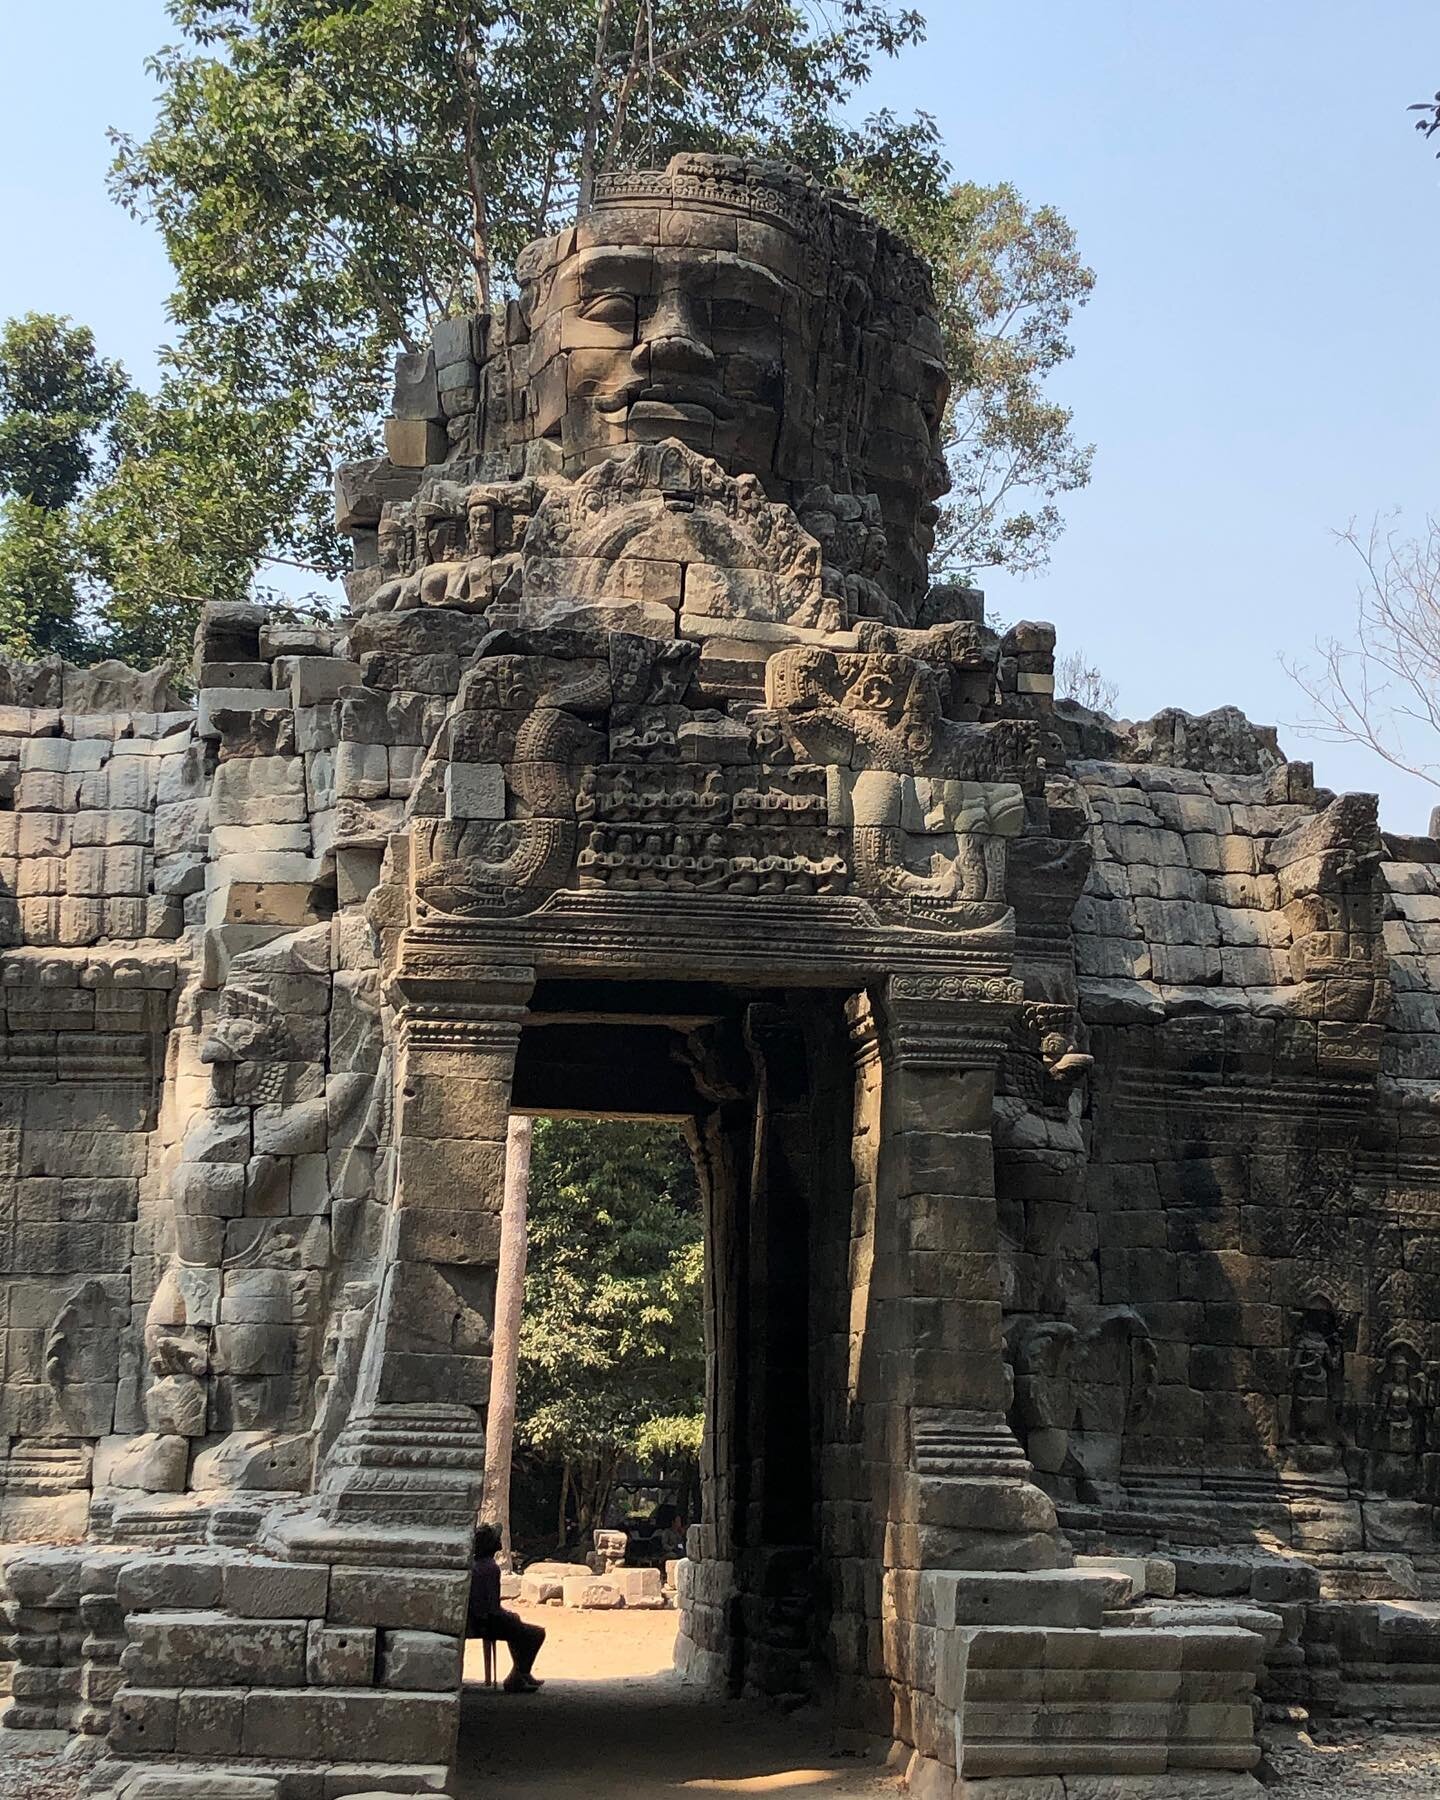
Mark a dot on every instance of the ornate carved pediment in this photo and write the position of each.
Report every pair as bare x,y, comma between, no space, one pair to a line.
667,530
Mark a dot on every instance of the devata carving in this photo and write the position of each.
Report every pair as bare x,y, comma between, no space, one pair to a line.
1317,1361
1405,1402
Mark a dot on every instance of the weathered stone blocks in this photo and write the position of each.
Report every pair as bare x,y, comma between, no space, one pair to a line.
399,1599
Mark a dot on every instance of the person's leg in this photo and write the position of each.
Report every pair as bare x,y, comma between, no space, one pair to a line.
523,1642
525,1646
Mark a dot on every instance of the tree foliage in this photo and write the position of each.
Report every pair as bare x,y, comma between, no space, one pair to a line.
1009,278
124,512
330,177
187,512
58,396
612,1355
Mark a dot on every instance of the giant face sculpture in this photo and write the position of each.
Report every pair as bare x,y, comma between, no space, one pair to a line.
633,345
756,317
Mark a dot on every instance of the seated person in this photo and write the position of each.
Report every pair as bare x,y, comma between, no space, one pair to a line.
488,1619
669,1530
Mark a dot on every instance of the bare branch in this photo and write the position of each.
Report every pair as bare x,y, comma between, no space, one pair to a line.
1385,684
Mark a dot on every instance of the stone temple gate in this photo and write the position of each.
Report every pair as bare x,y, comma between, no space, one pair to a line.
1063,1092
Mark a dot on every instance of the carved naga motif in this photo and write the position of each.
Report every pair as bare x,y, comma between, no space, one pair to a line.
475,868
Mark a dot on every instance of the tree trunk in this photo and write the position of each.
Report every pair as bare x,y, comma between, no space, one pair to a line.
590,133
505,1344
563,1533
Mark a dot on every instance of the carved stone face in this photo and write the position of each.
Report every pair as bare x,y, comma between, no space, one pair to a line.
749,315
757,320
632,344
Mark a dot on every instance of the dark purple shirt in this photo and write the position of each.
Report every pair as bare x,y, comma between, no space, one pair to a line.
484,1590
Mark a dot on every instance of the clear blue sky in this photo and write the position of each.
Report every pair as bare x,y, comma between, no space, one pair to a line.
1259,364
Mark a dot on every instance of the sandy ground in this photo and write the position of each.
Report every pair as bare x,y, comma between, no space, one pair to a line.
614,1720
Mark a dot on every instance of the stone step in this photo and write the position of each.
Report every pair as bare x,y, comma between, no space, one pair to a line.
1040,1597
386,1725
175,1778
1033,1701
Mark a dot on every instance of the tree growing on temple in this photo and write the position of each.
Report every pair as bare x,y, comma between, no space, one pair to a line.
612,1356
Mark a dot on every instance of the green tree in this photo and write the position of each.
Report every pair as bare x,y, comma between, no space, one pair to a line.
57,398
612,1358
331,177
1009,278
124,512
186,512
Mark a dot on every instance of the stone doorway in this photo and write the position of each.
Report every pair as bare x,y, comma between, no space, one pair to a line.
760,1084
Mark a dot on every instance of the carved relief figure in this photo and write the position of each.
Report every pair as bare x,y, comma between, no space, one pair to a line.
1404,1397
1316,1364
1045,1391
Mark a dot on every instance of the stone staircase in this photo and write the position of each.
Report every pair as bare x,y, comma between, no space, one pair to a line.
212,1673
1039,1680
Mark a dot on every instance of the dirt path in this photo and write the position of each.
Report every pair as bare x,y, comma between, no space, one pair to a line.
614,1721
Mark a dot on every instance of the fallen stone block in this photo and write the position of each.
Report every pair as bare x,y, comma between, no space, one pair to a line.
591,1592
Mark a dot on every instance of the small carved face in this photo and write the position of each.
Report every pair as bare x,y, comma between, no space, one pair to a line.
632,343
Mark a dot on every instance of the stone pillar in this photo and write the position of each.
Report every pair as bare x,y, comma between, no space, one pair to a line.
961,1496
775,1525
950,1483
414,1446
